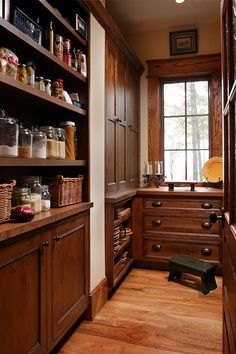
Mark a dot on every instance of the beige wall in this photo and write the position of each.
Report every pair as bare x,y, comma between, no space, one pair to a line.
155,45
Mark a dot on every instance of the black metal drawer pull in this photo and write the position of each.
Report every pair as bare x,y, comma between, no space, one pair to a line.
156,247
206,225
206,251
156,222
156,204
206,205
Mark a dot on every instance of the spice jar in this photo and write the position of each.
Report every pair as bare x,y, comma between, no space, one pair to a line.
21,73
39,83
30,73
47,83
25,143
20,196
9,134
52,142
58,47
46,202
39,150
60,132
55,89
70,139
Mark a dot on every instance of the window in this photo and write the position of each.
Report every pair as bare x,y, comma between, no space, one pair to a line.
186,128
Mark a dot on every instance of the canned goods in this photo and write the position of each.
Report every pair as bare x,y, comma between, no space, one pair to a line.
21,73
67,58
66,45
58,47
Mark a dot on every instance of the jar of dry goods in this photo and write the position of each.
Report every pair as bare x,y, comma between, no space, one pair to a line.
46,202
52,142
21,196
21,73
39,150
9,135
70,139
35,185
60,132
25,143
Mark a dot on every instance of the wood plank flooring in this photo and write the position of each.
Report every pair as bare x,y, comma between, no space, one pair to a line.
147,315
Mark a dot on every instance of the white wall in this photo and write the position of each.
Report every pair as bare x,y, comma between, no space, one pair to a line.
96,143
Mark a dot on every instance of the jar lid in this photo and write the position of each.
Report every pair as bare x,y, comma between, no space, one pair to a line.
47,80
39,78
21,66
67,123
20,190
47,127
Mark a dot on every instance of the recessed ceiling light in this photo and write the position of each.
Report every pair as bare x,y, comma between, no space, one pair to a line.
179,1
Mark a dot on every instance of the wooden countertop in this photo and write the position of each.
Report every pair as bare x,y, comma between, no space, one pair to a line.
10,230
178,191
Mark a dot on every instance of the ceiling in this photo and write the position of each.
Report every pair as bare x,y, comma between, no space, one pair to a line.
135,16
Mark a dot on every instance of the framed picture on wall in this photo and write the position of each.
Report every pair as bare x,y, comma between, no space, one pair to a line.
183,42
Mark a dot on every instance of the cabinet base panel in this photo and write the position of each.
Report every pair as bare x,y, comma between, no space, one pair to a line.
97,298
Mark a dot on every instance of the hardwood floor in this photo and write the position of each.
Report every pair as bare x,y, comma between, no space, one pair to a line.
147,315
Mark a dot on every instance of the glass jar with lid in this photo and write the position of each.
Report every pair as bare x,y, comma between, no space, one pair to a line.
39,150
52,142
9,135
21,196
35,185
46,201
25,143
60,132
70,139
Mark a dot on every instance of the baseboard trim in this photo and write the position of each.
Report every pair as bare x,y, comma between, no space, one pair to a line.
97,298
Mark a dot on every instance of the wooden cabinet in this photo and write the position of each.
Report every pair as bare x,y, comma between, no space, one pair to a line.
119,238
122,121
171,223
23,296
45,285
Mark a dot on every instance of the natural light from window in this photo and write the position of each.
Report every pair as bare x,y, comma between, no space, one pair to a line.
186,129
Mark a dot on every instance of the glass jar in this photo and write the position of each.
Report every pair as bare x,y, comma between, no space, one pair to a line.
21,196
39,83
9,135
52,142
30,73
46,202
35,186
47,83
21,73
70,139
25,143
60,132
39,150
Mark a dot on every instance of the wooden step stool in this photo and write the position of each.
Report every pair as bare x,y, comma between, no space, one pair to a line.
185,264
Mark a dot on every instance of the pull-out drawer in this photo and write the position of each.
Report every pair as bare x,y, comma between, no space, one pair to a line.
158,248
160,202
153,223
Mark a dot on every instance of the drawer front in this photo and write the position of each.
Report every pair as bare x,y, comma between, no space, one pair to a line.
153,223
204,204
158,248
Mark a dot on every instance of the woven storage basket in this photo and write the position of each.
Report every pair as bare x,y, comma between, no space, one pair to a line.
5,200
65,190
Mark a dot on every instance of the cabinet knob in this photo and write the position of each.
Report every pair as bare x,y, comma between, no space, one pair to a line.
206,205
156,222
206,225
45,244
206,251
156,247
57,238
156,204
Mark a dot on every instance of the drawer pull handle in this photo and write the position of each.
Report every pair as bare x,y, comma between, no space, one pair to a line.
156,222
156,204
156,247
206,205
206,251
45,244
206,225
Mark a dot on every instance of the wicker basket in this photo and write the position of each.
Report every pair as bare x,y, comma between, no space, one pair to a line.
5,200
65,190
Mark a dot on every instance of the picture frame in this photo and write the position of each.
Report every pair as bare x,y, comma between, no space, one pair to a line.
80,26
183,42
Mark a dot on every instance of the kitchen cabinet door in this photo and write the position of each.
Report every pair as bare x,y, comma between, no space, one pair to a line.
23,296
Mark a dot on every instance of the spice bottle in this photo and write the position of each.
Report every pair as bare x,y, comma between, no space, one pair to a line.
30,73
21,73
50,38
70,139
47,83
39,83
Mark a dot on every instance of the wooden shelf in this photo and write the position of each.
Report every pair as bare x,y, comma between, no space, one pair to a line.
123,246
9,30
15,161
119,221
122,271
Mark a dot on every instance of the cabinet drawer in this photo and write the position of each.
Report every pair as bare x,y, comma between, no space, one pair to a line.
153,223
158,248
204,204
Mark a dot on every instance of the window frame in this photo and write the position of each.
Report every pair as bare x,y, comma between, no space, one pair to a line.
184,79
189,67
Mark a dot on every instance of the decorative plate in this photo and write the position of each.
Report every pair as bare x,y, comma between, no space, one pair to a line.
212,170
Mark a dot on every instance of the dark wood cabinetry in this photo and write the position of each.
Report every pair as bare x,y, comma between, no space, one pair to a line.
45,284
119,246
171,223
